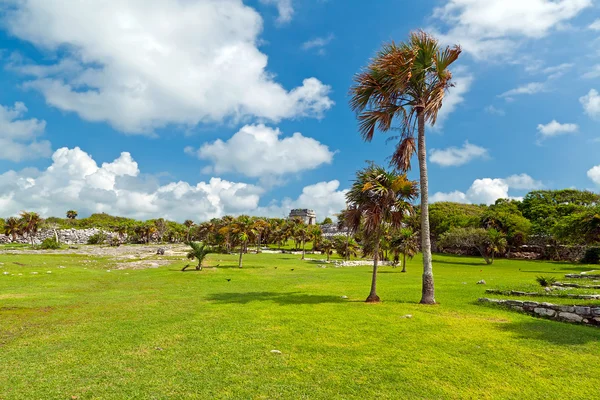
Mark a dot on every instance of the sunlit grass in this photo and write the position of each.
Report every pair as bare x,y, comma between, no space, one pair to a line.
161,333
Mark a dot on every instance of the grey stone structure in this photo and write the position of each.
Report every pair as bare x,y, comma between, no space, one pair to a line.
308,216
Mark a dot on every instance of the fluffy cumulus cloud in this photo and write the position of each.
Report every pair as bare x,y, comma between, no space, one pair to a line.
455,156
75,181
555,128
19,136
150,63
594,174
259,151
488,190
591,104
488,28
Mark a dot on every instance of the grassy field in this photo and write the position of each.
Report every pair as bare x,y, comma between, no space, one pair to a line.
83,332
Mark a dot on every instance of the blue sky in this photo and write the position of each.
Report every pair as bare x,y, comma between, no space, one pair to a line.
199,108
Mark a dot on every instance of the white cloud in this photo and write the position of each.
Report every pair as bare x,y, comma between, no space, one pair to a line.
455,96
318,43
488,190
150,63
591,103
595,26
529,88
75,181
593,73
18,137
324,198
258,151
523,181
594,174
285,9
495,111
487,28
455,156
555,128
557,71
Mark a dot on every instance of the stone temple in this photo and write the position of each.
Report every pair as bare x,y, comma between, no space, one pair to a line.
308,216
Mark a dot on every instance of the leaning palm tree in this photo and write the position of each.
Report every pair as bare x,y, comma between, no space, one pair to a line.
378,199
12,228
405,242
199,251
406,83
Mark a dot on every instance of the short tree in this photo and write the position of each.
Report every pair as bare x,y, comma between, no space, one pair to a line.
71,214
487,242
198,251
326,247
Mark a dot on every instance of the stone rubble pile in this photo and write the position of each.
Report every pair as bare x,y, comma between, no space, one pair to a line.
67,236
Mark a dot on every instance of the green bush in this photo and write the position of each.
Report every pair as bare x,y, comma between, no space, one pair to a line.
114,241
50,244
545,281
97,238
592,256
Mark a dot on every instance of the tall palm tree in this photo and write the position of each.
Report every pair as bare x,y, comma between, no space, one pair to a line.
376,200
406,83
30,224
405,242
199,251
188,224
301,234
260,226
12,228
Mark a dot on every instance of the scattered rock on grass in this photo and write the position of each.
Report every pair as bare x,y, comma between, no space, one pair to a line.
343,297
406,316
481,282
275,352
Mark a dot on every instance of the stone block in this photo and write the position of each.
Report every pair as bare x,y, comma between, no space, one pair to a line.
583,310
570,317
544,311
568,309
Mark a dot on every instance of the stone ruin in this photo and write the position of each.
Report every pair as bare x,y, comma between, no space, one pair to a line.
308,216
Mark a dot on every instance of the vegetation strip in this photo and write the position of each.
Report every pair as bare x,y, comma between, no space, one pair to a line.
535,294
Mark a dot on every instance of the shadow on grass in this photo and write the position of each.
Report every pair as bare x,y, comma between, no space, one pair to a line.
279,298
561,333
472,264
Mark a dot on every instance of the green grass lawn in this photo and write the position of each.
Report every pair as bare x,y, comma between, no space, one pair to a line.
82,332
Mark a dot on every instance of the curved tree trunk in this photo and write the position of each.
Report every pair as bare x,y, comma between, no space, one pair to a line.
403,262
373,298
427,292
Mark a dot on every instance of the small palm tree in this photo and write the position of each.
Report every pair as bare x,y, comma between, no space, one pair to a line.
12,228
406,83
327,247
72,214
315,233
378,199
199,251
405,242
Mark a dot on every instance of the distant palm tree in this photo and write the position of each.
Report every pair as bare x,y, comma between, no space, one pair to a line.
406,83
72,214
12,227
301,235
260,226
188,224
376,200
199,251
243,228
30,224
405,242
326,247
315,233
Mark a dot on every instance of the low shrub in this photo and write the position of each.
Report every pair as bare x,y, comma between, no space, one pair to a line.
50,244
591,256
114,241
545,281
97,238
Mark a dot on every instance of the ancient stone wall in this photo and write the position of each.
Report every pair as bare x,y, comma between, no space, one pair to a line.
67,236
576,314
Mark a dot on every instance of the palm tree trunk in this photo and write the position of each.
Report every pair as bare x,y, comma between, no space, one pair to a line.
373,298
428,291
241,254
303,248
327,255
403,262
